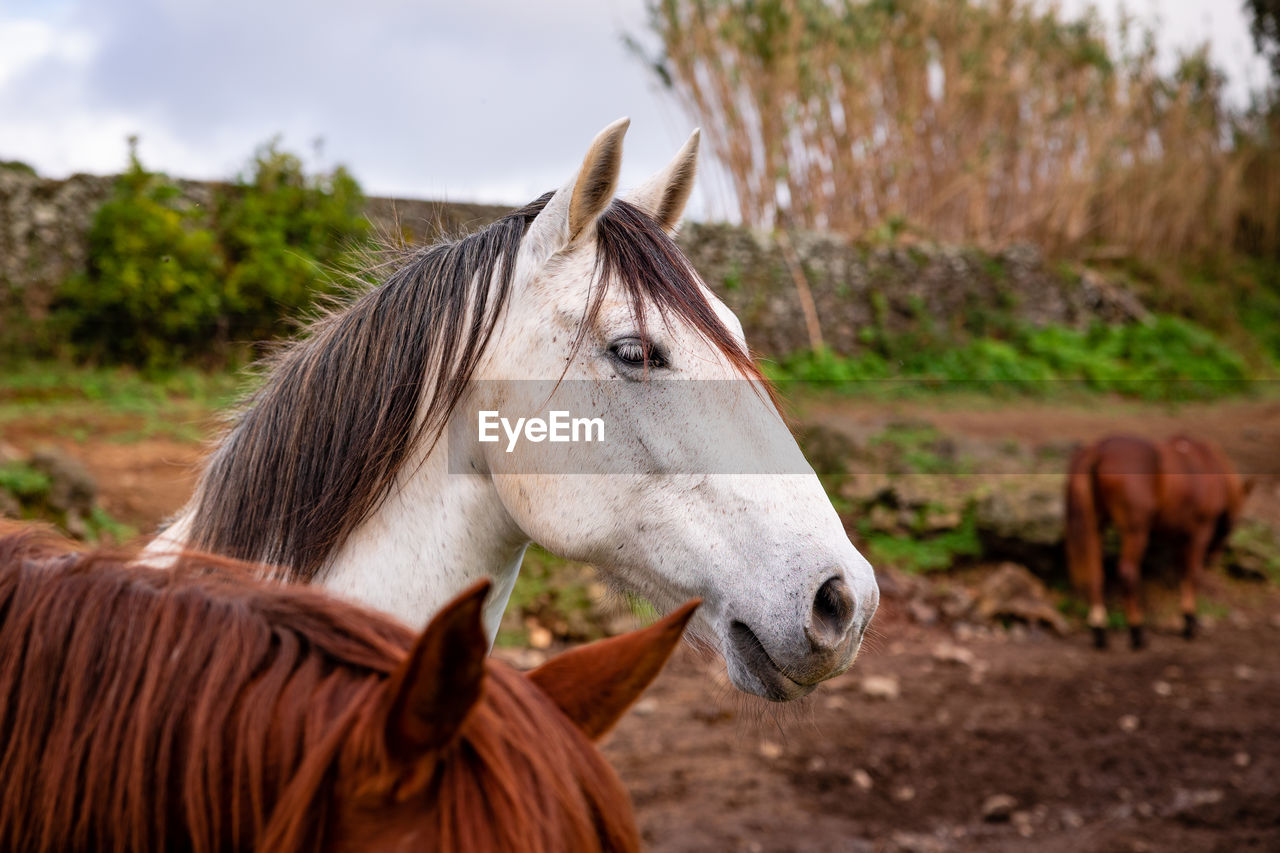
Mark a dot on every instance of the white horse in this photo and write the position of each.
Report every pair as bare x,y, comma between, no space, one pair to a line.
348,468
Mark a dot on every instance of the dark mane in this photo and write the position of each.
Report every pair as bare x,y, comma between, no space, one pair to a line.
201,709
319,446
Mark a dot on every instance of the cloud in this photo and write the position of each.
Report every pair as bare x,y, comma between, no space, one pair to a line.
485,99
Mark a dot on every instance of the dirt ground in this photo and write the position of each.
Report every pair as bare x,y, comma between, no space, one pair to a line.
995,740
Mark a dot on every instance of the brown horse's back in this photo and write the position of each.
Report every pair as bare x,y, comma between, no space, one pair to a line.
1184,489
1125,480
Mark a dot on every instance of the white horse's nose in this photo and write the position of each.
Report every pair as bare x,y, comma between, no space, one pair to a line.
830,624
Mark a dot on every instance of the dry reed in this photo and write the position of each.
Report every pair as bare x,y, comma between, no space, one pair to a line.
984,122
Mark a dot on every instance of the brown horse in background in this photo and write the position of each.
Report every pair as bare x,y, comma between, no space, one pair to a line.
1182,488
203,710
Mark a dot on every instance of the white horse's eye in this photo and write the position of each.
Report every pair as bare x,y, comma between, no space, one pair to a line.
631,352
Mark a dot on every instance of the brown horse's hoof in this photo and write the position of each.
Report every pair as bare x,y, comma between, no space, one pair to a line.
1137,637
1099,638
1190,626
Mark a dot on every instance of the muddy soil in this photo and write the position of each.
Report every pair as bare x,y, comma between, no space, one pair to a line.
995,740
1175,748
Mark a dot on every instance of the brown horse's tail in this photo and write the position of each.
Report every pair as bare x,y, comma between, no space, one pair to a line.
1084,540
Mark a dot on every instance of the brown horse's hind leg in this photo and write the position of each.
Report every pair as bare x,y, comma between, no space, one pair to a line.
1194,556
1097,609
1133,544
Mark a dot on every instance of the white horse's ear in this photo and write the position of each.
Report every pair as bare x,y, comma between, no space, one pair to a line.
571,213
665,195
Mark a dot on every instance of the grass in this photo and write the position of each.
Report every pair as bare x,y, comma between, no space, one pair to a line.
1168,359
24,482
551,592
922,555
128,405
32,488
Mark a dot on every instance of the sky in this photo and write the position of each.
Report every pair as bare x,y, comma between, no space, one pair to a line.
471,100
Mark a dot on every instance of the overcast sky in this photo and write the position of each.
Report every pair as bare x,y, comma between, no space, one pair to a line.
485,100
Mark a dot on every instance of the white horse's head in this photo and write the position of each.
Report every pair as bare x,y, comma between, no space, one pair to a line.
700,489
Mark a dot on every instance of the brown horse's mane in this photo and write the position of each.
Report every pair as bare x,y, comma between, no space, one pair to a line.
383,375
145,709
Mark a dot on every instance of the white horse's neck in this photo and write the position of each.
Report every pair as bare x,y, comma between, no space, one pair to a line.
435,534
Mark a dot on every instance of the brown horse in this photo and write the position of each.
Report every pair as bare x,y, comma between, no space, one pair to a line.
1183,488
202,710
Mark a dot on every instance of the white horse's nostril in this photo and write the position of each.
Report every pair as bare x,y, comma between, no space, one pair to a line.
833,612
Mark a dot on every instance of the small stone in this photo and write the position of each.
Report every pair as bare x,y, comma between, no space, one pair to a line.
924,614
770,750
539,637
904,793
645,707
951,653
1241,759
816,764
880,687
1021,821
1072,819
998,807
1162,688
1129,723
917,842
1186,799
861,778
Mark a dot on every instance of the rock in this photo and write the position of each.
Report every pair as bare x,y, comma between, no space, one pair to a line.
539,637
954,603
883,519
904,793
770,750
1162,688
1012,592
951,653
922,613
72,488
1034,516
998,807
1185,799
1241,759
861,779
917,842
880,687
1129,723
828,450
645,707
9,506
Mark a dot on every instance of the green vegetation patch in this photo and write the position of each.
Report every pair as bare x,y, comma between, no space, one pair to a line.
924,554
171,282
1167,358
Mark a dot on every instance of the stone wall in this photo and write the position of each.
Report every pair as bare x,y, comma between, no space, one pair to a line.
857,289
44,238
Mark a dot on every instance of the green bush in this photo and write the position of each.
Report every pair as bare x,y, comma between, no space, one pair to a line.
1165,358
283,231
168,283
151,294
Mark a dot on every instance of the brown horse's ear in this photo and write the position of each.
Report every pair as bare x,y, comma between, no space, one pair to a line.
439,682
596,683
